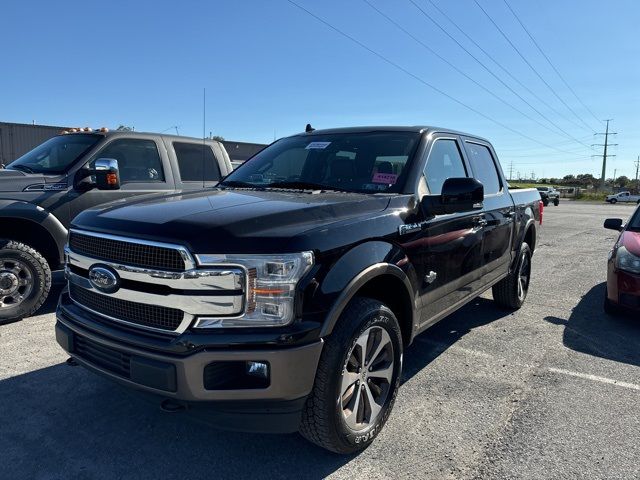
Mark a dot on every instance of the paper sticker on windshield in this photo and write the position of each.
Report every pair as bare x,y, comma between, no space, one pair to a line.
388,178
317,145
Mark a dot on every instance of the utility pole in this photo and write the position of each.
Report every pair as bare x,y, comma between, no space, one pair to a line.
637,167
511,170
604,153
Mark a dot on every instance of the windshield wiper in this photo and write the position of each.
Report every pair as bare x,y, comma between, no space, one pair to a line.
22,168
304,186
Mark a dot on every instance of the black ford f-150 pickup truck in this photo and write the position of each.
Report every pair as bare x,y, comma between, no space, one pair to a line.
44,189
283,298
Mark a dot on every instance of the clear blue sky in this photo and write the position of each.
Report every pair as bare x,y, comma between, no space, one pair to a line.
269,67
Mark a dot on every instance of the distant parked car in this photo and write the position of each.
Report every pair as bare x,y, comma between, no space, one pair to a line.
623,197
549,195
623,273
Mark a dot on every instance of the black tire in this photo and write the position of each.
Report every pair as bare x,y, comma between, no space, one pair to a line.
21,264
511,291
545,202
323,418
609,307
556,202
613,200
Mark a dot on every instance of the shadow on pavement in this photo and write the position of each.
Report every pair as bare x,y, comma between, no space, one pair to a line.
589,330
65,422
436,340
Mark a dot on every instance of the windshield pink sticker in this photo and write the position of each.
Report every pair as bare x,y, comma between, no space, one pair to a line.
388,178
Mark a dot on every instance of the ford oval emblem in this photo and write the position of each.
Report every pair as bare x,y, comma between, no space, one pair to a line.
104,278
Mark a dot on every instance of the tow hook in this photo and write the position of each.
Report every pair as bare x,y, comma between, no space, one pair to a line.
171,406
72,362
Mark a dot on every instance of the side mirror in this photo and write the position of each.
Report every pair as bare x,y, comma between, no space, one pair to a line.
107,174
458,195
613,224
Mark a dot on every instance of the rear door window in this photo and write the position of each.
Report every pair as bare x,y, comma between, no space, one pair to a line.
196,162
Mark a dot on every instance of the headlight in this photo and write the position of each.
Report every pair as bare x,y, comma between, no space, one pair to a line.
627,261
271,285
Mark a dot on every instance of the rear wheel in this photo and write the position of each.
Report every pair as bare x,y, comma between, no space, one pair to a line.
357,379
25,281
512,290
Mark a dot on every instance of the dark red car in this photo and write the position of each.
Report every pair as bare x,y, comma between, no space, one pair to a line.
623,270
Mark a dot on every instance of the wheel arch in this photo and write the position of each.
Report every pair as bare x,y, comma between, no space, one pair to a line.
386,283
34,226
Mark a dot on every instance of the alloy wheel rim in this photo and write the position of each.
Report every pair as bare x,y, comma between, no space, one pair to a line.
16,282
523,276
366,378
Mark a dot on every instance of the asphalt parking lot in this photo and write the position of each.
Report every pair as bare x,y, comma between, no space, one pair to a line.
551,391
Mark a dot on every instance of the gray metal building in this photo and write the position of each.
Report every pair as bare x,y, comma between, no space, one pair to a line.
16,139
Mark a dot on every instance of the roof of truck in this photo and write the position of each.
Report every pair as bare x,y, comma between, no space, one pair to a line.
391,128
126,133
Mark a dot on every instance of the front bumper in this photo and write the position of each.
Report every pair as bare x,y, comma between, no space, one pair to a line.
623,289
188,378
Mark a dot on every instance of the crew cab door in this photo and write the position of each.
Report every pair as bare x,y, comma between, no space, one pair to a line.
498,213
447,249
143,166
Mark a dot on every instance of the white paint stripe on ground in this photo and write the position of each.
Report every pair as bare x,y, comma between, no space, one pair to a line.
595,378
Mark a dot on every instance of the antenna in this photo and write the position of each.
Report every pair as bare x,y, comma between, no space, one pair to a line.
204,122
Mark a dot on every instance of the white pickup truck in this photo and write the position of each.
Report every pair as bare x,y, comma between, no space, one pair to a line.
623,197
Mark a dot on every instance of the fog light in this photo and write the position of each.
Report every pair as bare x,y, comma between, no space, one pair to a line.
258,369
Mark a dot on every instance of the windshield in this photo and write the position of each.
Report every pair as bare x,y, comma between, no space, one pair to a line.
354,162
56,154
634,222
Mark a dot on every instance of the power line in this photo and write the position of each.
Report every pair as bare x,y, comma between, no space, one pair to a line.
416,77
531,66
549,61
433,52
504,69
426,15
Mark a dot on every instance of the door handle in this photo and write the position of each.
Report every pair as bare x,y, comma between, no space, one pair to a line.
510,214
480,222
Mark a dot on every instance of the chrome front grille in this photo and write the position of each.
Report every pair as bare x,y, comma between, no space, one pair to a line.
162,318
127,252
152,294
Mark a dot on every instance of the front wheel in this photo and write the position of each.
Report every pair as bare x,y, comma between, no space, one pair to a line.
25,281
556,202
613,200
512,290
357,379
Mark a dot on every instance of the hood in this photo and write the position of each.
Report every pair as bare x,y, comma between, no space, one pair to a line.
631,241
16,181
233,221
